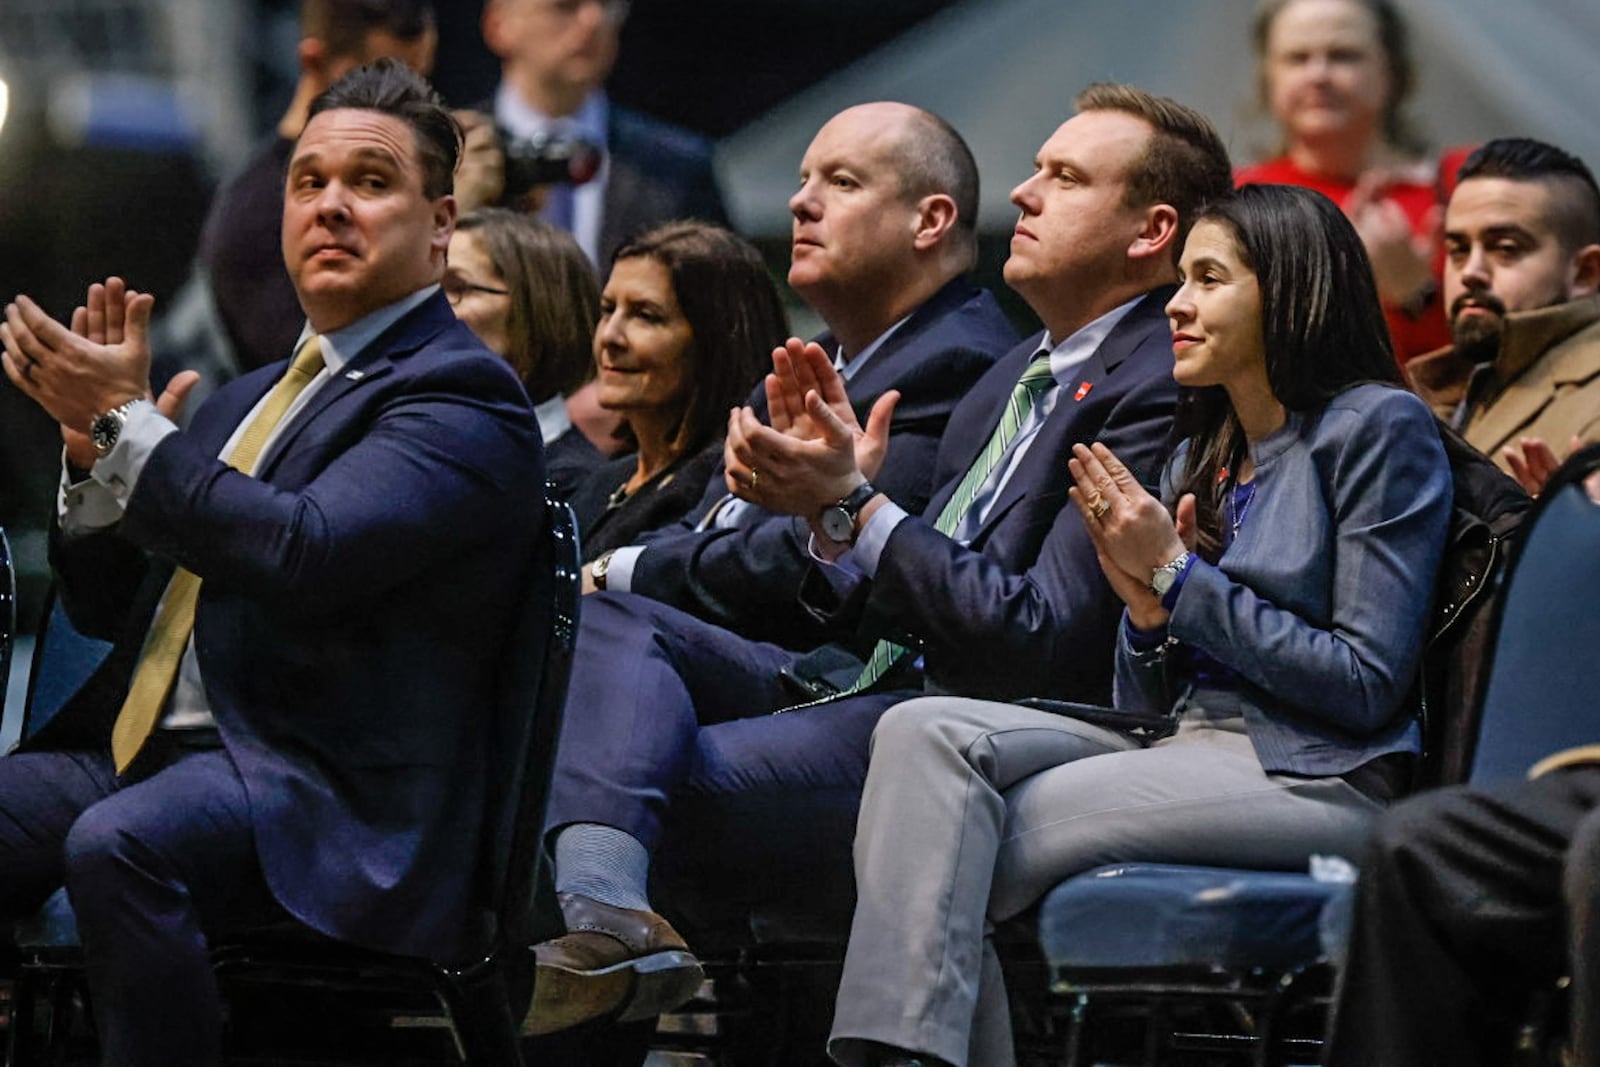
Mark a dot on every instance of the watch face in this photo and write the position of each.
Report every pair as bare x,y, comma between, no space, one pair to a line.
104,431
837,524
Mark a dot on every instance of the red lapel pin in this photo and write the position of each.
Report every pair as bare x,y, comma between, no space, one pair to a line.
1083,390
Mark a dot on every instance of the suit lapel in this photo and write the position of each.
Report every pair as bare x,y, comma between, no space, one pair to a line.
1044,465
371,364
1001,381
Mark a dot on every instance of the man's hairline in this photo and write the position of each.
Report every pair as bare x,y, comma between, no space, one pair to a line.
417,150
1553,184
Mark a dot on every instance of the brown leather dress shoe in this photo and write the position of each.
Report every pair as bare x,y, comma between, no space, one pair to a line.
611,962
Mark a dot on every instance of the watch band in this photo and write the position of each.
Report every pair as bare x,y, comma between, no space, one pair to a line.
857,499
838,521
1164,576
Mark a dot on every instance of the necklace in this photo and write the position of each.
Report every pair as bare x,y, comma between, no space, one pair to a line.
620,497
1238,508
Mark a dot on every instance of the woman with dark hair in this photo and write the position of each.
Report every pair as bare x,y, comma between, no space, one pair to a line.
1335,76
687,323
527,290
1274,622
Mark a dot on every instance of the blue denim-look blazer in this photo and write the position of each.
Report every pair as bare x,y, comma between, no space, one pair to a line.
1322,601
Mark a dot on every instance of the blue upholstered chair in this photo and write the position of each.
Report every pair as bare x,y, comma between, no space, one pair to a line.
1189,960
477,1008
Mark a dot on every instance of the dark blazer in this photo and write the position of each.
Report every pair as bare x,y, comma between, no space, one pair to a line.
356,593
659,172
746,579
661,501
1024,609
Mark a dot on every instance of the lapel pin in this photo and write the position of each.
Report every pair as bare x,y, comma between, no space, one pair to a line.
1083,390
355,375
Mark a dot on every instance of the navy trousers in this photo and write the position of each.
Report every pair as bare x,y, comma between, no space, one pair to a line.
665,710
154,866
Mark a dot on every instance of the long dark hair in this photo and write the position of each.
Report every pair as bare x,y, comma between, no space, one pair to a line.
733,308
1321,324
554,302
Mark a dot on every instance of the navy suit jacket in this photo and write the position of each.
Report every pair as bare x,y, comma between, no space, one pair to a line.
747,578
354,601
659,172
1024,609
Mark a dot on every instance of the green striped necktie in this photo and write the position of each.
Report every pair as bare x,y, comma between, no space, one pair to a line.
1033,384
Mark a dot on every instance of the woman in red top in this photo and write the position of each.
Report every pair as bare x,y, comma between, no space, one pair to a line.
1334,74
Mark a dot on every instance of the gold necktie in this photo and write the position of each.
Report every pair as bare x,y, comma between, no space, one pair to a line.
169,634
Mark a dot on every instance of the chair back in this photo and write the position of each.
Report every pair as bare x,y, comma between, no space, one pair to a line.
1542,694
533,693
63,660
8,613
1485,524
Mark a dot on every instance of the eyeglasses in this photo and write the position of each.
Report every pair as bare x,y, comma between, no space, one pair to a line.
455,289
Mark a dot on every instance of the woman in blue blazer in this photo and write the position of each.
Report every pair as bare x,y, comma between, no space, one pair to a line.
1275,614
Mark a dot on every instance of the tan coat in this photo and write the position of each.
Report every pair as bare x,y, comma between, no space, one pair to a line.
1545,381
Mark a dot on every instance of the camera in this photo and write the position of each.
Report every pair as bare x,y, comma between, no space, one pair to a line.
545,160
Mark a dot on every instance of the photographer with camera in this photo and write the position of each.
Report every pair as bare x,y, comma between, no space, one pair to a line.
601,172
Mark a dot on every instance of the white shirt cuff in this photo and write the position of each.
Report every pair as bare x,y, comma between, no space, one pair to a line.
98,501
119,469
875,534
86,506
619,574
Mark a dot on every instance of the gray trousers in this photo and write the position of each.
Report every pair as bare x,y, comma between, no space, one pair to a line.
973,810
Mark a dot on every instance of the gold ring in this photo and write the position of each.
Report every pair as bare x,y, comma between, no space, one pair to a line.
755,476
1099,506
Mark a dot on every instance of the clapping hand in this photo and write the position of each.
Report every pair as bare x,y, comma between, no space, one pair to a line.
815,451
1132,532
1532,461
102,361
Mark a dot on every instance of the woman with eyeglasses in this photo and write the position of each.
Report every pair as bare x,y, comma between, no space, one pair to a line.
527,290
688,321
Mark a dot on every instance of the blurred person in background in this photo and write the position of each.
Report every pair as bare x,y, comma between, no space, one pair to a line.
1335,76
239,254
528,292
688,319
556,56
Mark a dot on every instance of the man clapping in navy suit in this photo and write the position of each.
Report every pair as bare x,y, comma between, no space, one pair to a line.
308,589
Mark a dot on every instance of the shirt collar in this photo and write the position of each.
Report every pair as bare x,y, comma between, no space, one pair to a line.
1066,356
553,418
523,120
346,343
849,368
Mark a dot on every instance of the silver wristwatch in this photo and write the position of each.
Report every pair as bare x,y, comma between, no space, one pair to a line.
1161,581
107,427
